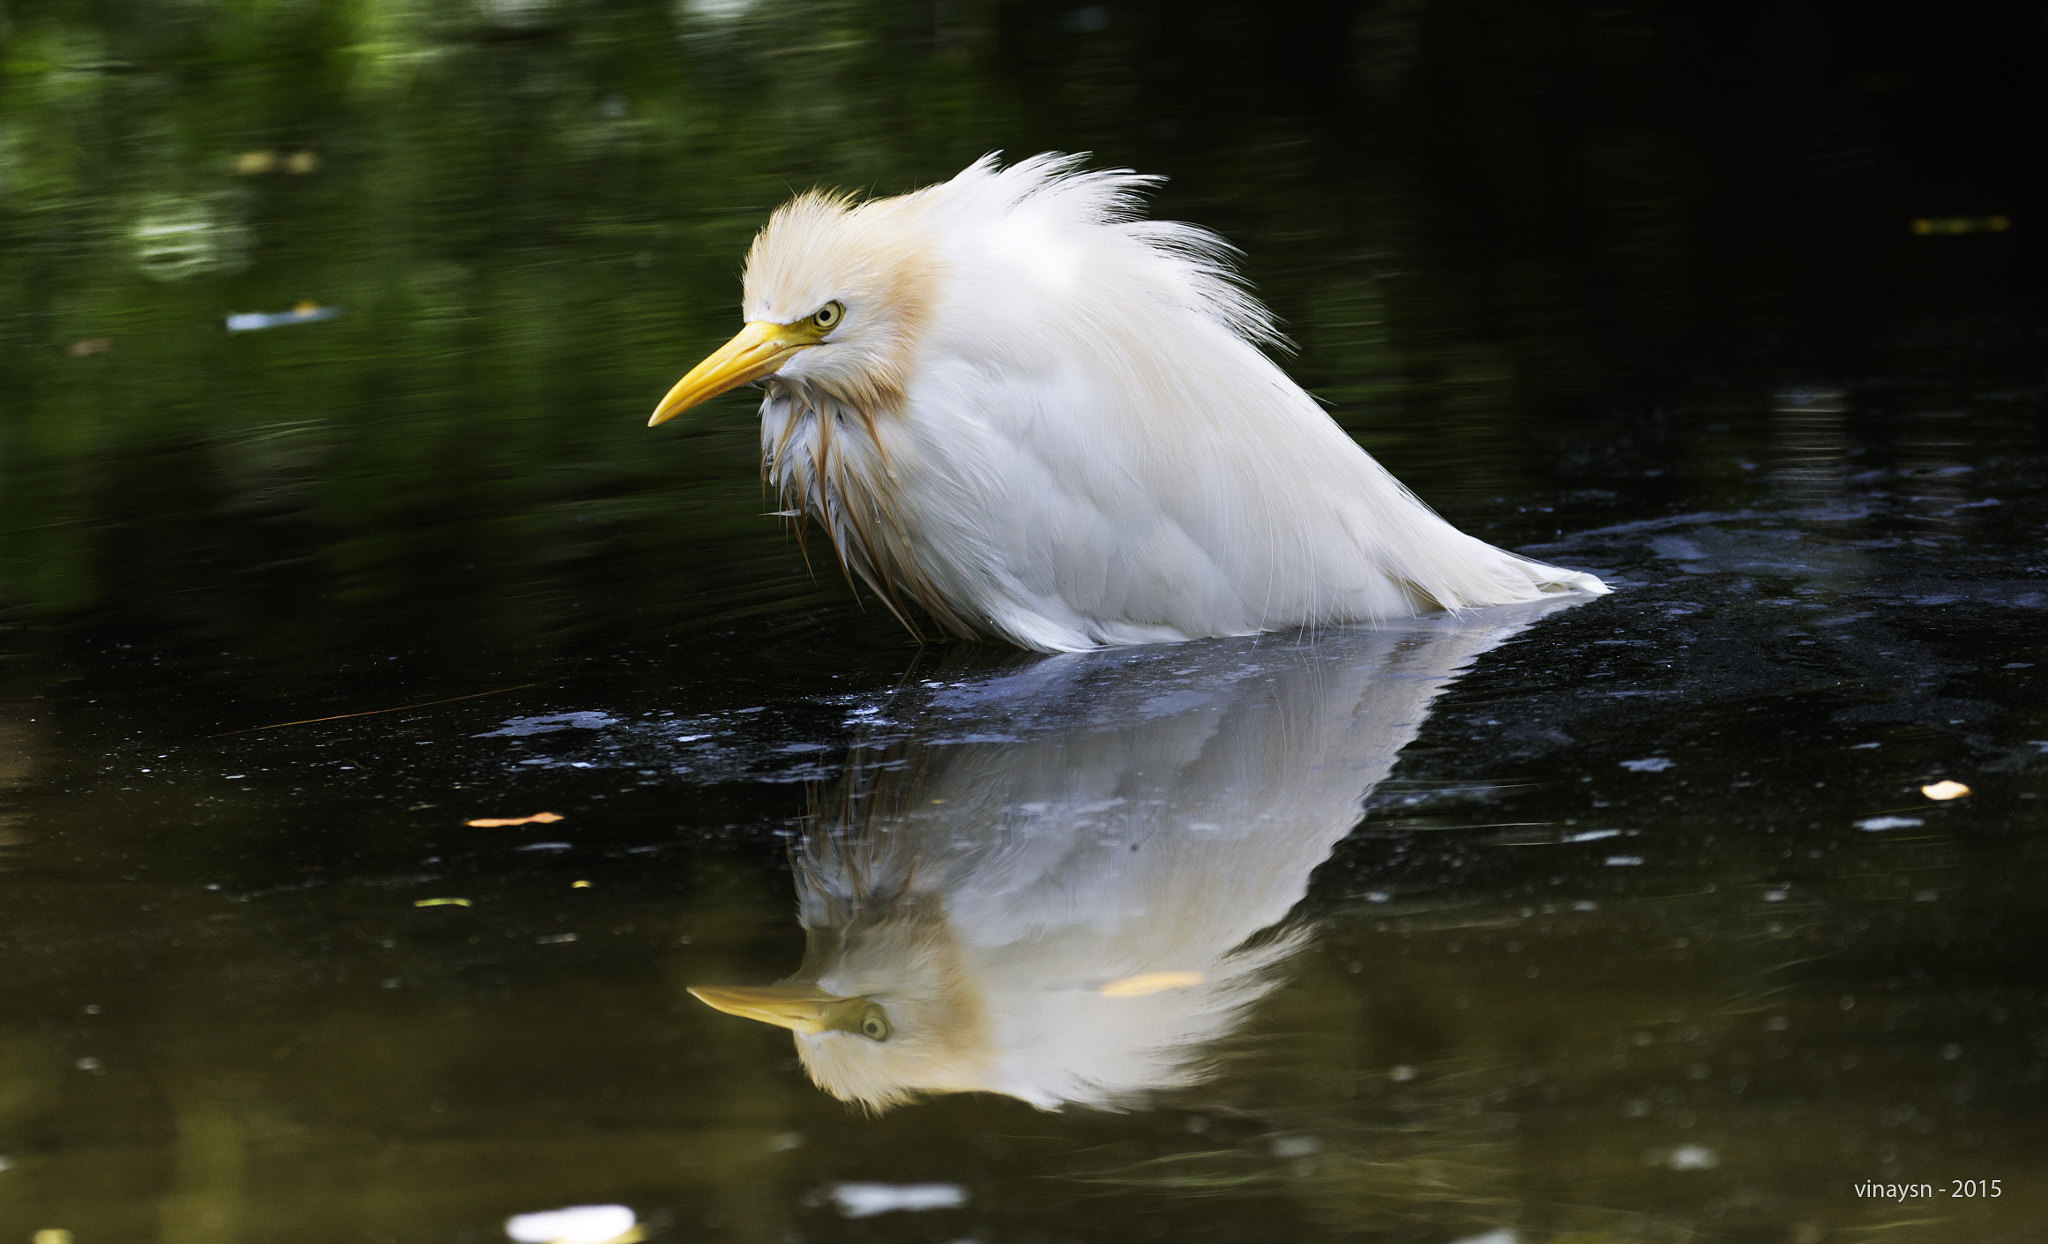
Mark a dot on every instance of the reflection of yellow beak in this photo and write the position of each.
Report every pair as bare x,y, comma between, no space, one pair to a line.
758,350
800,1010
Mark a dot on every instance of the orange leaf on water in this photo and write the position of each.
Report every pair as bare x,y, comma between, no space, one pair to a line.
501,822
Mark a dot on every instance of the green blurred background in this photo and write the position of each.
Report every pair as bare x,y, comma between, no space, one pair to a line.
1482,221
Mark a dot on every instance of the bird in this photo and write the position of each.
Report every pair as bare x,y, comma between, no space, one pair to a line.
1016,405
1067,880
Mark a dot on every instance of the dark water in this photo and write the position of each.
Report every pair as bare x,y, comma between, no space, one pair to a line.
1627,922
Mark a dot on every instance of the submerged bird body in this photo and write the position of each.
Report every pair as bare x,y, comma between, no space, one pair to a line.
1014,404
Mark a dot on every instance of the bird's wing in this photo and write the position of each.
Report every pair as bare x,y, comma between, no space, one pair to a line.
1050,534
1087,503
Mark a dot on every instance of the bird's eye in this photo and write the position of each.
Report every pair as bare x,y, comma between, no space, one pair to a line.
862,1015
829,315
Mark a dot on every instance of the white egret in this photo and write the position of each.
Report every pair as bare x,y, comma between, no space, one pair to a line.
1012,402
1054,886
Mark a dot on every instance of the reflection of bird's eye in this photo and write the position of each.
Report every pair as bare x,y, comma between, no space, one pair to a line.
828,315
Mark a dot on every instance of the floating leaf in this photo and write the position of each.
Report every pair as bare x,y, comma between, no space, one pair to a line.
1927,226
502,822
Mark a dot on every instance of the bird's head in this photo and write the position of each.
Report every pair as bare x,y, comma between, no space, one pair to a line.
1025,268
837,295
882,1011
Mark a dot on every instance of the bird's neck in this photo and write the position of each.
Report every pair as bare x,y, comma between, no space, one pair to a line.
843,464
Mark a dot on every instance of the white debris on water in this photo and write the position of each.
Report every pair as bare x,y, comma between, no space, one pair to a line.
578,1224
520,727
1876,824
865,1200
1296,1145
1692,1158
1649,764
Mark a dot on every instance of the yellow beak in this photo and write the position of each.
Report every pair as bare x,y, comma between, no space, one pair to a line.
758,350
799,1010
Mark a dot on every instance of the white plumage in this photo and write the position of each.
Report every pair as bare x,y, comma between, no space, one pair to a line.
1051,883
1015,404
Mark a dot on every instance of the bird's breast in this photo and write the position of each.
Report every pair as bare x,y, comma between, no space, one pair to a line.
862,477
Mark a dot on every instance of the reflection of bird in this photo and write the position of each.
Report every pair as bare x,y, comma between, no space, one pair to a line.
1008,400
1053,885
